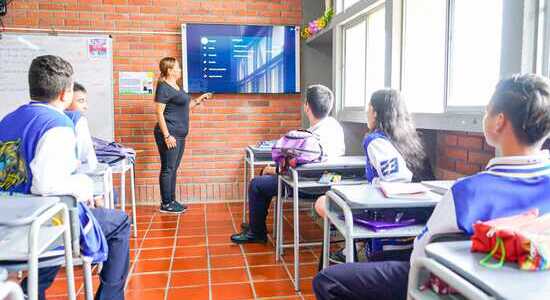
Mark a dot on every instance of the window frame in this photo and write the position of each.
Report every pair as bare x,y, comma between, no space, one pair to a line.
518,54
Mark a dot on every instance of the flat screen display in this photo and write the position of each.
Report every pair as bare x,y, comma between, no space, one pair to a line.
240,59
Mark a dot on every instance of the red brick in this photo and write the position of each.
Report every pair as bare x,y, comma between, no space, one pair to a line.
471,142
466,168
457,153
479,158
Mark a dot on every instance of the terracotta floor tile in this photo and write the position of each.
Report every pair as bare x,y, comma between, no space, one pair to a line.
190,251
268,273
155,253
232,292
223,239
221,230
191,293
218,250
190,263
258,248
274,288
229,261
158,242
190,278
306,270
145,294
165,225
262,259
147,281
229,275
191,241
161,233
145,266
191,231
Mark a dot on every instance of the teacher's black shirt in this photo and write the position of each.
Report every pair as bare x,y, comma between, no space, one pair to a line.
176,112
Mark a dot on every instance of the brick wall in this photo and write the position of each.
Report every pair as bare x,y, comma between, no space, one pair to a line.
459,154
212,166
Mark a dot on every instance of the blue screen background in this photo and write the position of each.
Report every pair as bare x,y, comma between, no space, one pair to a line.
241,59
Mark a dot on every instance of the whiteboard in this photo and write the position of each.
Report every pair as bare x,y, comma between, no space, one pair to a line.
93,67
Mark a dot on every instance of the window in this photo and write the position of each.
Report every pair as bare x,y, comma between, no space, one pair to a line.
475,51
341,5
423,70
354,65
376,57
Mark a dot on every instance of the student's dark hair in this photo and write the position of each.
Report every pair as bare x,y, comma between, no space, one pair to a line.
49,75
525,101
320,99
393,118
77,87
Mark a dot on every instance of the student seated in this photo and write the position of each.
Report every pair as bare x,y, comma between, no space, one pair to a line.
45,140
318,104
392,147
516,123
84,145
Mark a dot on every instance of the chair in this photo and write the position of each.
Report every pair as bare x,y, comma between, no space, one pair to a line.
103,184
27,236
71,204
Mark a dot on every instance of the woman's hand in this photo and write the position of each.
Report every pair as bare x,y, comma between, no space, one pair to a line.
170,142
204,97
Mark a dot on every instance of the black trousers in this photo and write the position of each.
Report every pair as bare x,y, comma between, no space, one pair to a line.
385,280
170,160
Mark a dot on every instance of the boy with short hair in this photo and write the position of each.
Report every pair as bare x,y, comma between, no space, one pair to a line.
516,123
76,112
45,144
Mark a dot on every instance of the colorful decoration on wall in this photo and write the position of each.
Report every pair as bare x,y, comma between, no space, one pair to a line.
317,25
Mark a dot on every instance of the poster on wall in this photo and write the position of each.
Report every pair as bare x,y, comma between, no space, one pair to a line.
97,48
136,83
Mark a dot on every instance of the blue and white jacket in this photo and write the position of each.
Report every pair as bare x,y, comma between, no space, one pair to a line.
384,162
509,186
48,142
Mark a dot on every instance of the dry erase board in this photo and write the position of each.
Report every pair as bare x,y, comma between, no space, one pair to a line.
92,61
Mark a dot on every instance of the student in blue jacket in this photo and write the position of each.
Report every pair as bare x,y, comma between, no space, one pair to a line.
393,149
43,138
516,123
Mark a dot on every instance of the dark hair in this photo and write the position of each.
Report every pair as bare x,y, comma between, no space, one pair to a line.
393,118
525,101
166,64
319,98
77,87
49,75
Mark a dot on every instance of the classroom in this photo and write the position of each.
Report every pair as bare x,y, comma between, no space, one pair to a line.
274,149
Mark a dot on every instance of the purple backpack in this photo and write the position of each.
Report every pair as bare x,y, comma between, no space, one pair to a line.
295,148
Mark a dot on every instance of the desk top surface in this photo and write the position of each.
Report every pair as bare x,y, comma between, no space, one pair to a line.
20,210
508,282
370,196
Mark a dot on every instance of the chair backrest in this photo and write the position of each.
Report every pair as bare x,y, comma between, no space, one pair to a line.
71,203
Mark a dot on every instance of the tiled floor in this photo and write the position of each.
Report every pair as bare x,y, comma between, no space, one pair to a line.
191,257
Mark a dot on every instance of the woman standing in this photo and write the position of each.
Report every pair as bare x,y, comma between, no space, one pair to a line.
172,111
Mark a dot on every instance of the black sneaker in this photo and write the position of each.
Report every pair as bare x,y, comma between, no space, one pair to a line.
337,257
247,237
172,208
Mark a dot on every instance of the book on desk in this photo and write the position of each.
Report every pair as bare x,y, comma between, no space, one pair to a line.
401,190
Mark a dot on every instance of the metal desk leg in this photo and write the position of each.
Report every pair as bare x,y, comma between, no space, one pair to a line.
326,235
278,219
67,242
133,192
296,220
245,188
123,185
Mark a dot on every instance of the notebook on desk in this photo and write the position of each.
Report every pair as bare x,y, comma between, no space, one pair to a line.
402,190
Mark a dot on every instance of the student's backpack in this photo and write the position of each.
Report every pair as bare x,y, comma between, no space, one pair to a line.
295,148
12,165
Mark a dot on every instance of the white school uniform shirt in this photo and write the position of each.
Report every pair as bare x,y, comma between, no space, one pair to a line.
55,163
84,145
384,162
509,186
331,136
